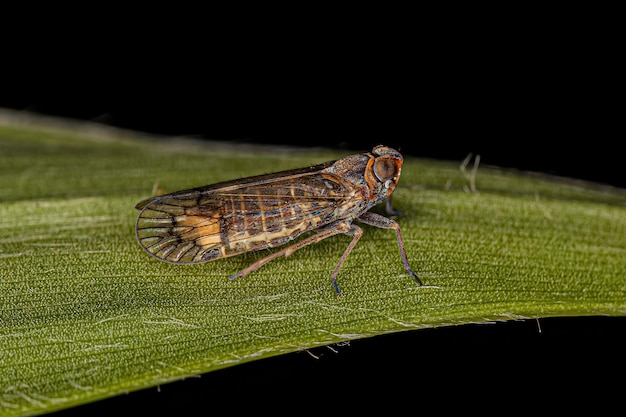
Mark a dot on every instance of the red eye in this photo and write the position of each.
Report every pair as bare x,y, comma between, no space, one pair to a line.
385,168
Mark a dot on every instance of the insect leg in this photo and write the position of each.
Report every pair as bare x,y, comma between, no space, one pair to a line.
377,220
332,229
356,232
389,208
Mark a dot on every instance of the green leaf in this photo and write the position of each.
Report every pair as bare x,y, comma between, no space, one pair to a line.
86,314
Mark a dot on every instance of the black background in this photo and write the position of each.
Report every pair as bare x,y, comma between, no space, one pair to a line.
535,93
538,117
538,92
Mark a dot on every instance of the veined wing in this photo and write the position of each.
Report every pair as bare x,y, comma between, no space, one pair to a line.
233,217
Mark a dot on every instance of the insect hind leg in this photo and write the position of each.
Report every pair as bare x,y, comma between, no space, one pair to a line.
343,226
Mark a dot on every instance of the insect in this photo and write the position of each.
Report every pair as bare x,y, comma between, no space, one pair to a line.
267,211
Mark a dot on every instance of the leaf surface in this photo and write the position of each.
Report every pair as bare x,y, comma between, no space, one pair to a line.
86,314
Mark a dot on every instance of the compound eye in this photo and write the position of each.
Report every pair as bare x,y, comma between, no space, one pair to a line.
385,168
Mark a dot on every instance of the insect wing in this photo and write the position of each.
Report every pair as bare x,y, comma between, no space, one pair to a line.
233,217
173,229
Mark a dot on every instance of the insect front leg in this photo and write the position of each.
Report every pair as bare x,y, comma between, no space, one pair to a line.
382,222
389,208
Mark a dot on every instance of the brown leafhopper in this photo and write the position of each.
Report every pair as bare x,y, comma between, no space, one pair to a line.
266,211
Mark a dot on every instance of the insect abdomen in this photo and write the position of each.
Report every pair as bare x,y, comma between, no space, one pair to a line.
254,221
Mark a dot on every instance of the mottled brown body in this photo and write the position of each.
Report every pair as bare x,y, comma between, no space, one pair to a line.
267,211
